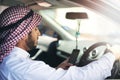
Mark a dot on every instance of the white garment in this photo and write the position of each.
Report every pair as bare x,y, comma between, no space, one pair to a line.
18,66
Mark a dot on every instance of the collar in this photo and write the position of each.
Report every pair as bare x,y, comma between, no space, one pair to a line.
19,52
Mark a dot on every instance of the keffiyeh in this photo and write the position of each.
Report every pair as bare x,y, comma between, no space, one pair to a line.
15,23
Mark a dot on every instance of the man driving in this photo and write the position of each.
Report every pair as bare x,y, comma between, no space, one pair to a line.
19,34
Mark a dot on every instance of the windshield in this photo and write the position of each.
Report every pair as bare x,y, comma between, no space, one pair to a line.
96,25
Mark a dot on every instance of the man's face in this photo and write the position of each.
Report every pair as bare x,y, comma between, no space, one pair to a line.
32,39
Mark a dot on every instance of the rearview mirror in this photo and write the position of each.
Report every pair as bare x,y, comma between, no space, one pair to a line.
76,15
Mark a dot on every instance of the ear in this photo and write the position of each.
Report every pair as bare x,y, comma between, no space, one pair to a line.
22,41
25,37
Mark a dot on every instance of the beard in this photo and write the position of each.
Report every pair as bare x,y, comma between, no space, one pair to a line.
31,43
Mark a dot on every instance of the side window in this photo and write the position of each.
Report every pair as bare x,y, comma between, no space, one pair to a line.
47,31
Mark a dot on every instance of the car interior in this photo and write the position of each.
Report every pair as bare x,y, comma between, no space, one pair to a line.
79,30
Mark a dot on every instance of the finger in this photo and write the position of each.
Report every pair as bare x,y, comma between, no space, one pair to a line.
66,60
70,64
108,46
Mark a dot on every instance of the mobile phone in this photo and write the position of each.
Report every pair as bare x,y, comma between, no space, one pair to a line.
73,56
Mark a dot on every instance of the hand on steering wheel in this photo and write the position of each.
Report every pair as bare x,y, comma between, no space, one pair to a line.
115,73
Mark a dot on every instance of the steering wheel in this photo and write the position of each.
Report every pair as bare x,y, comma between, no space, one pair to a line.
84,59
